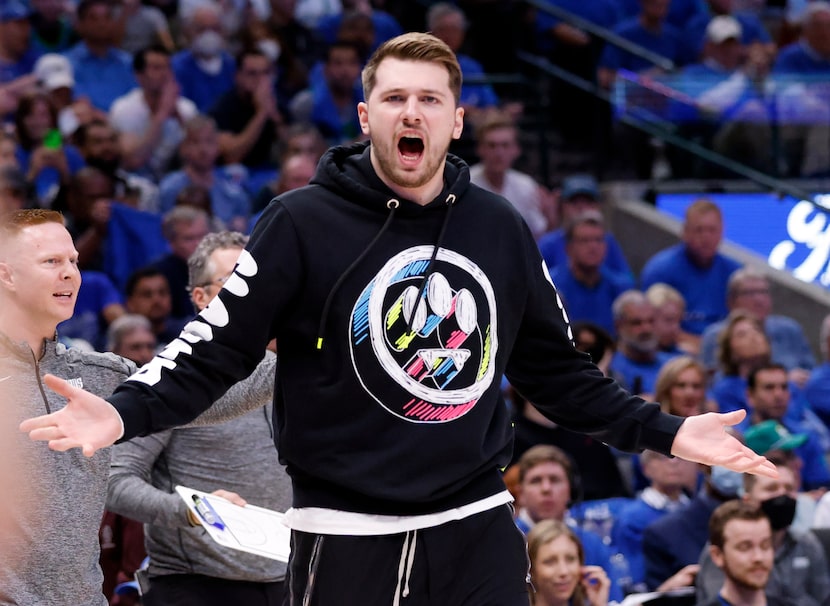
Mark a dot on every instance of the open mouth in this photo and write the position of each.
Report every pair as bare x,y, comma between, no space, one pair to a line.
411,148
62,295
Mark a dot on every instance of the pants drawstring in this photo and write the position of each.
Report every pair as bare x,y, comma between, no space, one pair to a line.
312,569
405,566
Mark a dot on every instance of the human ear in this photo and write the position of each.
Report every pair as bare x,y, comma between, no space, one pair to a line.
363,117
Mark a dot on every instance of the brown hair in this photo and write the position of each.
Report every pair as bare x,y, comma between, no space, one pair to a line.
731,510
24,108
701,207
494,120
727,364
414,46
549,530
13,222
667,377
544,453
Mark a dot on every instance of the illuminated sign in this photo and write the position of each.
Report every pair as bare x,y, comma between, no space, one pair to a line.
790,234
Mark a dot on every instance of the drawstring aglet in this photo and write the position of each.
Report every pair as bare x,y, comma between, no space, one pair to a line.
319,343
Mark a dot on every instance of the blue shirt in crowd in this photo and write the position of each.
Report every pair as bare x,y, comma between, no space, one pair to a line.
101,79
704,289
590,303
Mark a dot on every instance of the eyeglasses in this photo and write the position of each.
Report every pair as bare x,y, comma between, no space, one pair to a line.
220,281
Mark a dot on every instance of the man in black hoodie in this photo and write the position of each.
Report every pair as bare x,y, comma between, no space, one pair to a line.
399,294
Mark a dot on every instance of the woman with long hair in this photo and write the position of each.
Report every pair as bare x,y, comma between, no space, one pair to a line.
681,387
557,569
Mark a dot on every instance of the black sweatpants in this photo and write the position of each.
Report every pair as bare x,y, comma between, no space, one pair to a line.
199,590
477,561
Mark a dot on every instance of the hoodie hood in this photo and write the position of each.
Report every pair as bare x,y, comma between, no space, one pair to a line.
347,170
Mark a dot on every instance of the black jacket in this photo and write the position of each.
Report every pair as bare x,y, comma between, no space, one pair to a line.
374,415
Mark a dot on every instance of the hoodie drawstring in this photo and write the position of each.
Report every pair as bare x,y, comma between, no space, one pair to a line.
450,201
405,566
392,205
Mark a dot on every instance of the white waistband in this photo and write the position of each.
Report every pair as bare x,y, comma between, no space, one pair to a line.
318,520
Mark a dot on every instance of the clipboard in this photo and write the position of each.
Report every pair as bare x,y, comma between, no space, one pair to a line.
251,529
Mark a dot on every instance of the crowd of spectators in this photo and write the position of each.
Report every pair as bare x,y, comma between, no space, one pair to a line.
150,125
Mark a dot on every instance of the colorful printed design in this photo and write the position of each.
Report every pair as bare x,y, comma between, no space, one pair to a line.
435,367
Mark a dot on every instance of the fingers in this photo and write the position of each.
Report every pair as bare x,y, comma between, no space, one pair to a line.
37,423
47,433
230,496
734,417
59,386
64,444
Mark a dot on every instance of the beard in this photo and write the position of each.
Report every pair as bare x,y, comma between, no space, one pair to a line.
744,580
386,156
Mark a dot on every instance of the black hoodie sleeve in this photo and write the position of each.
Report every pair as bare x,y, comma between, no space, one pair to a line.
225,342
565,386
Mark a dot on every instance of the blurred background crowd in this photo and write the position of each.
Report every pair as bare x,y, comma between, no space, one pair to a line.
153,123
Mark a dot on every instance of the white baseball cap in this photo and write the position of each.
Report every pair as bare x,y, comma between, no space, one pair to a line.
54,71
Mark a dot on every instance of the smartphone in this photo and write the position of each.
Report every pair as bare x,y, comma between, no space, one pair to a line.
53,139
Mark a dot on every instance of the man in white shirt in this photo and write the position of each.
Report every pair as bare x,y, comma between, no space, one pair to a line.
150,118
498,148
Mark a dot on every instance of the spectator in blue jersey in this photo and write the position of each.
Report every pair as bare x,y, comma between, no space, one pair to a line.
385,25
811,54
102,71
753,32
725,108
204,70
548,485
49,163
669,307
199,150
749,289
680,12
637,359
695,267
742,345
650,30
668,477
579,193
330,103
817,389
17,54
768,395
672,543
587,288
803,95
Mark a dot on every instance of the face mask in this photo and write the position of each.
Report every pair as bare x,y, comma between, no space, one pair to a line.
726,482
208,44
780,511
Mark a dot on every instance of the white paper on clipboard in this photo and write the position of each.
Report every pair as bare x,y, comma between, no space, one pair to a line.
252,529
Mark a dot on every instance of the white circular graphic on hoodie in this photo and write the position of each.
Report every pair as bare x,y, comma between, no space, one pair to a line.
426,359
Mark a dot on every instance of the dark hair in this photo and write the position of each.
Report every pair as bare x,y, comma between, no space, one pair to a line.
140,58
752,377
345,44
86,5
24,108
82,132
139,275
248,51
725,358
731,510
